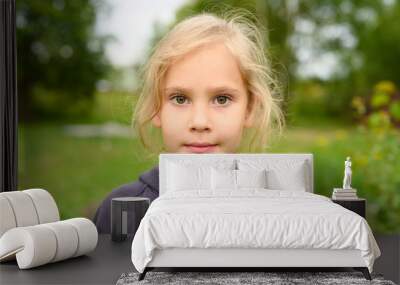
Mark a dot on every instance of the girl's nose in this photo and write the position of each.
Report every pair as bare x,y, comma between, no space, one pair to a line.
199,118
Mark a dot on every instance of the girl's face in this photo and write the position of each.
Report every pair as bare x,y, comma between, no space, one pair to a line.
205,104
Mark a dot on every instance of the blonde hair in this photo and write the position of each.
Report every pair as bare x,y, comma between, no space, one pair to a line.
246,43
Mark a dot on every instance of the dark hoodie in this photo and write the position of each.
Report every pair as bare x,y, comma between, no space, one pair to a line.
146,186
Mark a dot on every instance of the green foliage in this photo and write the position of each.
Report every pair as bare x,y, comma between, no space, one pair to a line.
308,100
379,120
113,106
60,58
380,99
382,108
375,155
379,167
394,110
379,159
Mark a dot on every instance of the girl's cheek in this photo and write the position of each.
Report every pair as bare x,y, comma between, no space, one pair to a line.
174,118
228,116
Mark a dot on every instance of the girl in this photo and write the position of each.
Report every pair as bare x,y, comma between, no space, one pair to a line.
206,86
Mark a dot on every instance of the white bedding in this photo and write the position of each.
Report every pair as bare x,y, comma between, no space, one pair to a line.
250,218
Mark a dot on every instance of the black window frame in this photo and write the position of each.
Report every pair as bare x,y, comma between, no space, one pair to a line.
8,98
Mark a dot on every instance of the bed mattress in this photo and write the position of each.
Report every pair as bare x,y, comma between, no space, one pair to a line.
250,219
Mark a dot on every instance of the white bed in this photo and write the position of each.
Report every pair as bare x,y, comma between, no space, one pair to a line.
281,224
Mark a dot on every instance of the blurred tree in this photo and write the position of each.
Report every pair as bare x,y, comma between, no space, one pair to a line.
364,38
60,58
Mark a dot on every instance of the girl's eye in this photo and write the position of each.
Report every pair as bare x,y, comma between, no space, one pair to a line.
179,99
222,99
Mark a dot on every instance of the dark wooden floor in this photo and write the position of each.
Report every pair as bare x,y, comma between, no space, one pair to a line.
388,263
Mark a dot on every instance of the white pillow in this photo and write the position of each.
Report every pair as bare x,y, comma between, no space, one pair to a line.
185,174
181,178
251,178
223,179
284,174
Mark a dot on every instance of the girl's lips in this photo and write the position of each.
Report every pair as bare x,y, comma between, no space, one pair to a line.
201,148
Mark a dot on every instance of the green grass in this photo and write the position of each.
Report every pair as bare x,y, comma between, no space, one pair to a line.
79,172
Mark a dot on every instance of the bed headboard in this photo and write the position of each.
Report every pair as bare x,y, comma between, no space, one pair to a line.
164,158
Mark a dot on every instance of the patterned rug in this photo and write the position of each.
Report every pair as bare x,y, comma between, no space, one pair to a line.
229,278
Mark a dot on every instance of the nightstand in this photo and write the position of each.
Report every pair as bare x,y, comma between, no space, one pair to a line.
357,205
126,214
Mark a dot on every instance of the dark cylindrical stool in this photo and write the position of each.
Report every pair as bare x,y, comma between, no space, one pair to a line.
126,214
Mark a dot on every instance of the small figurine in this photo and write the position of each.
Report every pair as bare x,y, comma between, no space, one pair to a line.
347,174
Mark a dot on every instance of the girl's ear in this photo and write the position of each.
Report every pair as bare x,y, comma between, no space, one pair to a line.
156,120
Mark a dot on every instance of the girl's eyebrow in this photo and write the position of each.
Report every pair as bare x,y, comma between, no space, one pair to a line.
210,90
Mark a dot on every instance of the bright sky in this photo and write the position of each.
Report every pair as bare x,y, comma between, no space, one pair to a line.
131,22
